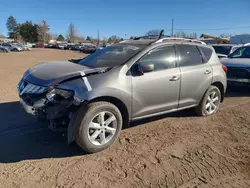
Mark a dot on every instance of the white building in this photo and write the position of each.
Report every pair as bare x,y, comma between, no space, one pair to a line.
240,39
6,40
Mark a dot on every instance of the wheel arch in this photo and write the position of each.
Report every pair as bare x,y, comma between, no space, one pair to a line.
221,88
119,104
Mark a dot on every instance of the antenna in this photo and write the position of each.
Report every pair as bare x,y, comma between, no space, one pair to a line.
161,33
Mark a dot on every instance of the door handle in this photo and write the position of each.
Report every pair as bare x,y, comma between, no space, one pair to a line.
207,72
174,78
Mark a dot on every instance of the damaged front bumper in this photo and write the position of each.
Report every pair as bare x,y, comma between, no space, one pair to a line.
59,116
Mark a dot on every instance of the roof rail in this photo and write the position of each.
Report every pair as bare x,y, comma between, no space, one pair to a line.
180,39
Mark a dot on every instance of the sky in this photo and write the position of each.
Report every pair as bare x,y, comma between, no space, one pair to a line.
131,17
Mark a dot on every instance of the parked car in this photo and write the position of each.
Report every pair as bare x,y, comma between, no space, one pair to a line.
76,47
12,47
24,47
61,46
223,50
88,49
238,65
4,49
97,96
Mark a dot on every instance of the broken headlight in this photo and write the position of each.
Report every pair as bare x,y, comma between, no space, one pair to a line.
59,94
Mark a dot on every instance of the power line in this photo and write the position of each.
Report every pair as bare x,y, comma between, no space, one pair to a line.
215,29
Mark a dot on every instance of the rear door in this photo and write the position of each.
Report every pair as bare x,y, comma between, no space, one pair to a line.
156,91
196,75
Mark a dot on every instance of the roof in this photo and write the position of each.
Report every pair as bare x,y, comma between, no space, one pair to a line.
141,41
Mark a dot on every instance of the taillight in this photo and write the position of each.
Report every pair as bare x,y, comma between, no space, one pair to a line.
224,68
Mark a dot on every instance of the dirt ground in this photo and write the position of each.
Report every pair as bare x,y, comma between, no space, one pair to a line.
175,150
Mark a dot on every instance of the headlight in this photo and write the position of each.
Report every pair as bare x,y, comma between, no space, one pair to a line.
55,94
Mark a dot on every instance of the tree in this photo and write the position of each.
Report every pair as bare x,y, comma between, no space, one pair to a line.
181,34
19,38
113,39
153,32
12,27
131,38
225,35
88,38
79,39
42,31
60,38
72,33
28,32
193,35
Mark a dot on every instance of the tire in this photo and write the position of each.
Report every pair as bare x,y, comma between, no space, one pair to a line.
203,108
84,133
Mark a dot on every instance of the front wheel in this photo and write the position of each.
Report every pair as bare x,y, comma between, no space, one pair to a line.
98,125
210,102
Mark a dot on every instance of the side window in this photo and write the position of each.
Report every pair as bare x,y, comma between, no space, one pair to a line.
189,55
207,52
162,58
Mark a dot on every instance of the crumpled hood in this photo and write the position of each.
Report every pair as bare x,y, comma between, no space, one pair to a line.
236,62
51,73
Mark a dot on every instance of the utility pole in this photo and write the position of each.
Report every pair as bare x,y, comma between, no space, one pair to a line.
98,39
172,34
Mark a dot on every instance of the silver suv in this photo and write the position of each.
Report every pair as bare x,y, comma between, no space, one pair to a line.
100,94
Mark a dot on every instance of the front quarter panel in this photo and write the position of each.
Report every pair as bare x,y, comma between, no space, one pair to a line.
113,83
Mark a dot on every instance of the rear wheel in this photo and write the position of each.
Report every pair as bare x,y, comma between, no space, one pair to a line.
98,126
210,102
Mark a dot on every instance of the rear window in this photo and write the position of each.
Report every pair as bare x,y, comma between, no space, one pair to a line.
189,55
222,49
207,52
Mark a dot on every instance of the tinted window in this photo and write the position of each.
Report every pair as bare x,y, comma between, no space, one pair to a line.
162,58
189,55
222,49
207,52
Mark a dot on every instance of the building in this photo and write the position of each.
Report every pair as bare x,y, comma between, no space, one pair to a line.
240,39
6,40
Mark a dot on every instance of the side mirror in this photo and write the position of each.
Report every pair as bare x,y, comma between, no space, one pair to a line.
143,68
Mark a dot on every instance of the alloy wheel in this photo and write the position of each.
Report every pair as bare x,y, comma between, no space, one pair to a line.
102,128
212,102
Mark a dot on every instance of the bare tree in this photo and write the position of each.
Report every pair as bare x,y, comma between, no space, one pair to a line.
72,33
193,36
181,34
225,35
19,38
79,39
153,32
42,31
113,39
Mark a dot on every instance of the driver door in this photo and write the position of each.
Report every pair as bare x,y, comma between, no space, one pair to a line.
156,91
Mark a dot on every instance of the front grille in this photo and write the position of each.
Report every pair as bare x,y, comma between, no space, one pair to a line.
25,87
234,72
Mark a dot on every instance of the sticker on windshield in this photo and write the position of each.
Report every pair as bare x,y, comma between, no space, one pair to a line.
131,48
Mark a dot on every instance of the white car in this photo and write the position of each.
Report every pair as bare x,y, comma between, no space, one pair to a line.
13,47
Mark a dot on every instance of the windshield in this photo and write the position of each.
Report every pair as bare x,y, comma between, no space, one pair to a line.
111,56
222,49
242,52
